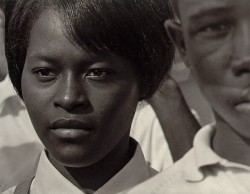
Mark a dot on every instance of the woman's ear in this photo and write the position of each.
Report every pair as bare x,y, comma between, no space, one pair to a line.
175,33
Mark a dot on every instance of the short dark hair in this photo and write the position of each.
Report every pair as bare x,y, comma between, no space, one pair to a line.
131,29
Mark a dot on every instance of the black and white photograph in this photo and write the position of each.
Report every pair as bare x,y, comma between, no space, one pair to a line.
125,96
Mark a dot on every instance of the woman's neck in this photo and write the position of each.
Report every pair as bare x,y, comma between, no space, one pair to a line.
95,176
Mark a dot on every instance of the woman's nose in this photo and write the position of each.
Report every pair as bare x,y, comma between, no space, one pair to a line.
71,95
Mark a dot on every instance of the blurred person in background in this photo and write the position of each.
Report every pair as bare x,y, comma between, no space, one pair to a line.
19,144
213,38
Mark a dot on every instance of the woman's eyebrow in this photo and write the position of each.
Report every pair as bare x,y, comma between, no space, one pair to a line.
38,58
55,60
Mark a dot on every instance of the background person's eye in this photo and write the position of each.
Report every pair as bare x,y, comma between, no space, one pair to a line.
44,74
215,30
218,28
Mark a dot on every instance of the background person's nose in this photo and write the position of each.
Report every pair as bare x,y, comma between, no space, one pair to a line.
71,95
241,51
241,66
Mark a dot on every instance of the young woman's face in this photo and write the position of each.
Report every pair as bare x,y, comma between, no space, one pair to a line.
81,105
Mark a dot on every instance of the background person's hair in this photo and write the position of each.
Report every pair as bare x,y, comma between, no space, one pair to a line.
131,29
174,5
2,4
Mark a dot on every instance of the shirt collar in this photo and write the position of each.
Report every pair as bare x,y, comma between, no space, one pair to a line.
49,179
130,175
203,155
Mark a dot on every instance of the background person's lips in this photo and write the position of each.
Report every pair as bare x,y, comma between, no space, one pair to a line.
243,107
242,103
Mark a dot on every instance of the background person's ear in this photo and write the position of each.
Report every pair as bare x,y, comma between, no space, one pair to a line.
175,33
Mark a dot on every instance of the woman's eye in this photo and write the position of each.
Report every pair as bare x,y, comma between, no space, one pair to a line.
99,74
44,74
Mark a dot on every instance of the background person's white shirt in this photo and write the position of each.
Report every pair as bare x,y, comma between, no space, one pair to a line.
200,171
146,129
19,144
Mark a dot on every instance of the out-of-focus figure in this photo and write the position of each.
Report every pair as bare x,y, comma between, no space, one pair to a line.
19,144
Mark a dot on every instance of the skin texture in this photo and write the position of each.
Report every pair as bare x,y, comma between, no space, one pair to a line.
214,41
62,82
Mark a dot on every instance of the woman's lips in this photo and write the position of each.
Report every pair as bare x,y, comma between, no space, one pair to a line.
69,124
70,133
70,128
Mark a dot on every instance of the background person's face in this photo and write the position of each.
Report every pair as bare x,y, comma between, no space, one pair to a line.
81,106
217,49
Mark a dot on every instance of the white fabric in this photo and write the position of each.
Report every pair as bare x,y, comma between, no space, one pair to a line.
147,130
200,171
19,144
48,180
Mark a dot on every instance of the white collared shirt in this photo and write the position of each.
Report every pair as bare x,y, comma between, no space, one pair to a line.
19,144
48,180
200,171
147,130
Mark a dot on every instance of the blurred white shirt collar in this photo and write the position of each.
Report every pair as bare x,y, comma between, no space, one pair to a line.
6,92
